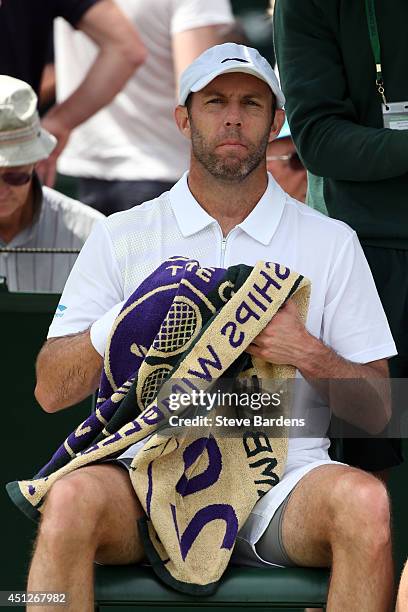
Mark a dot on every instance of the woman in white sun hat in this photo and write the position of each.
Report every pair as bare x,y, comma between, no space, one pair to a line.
33,216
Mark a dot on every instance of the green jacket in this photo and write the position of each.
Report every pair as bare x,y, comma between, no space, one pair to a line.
328,77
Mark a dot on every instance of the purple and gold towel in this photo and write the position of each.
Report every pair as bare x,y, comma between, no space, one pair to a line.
183,323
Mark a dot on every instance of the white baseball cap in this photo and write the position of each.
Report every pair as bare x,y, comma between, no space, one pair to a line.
221,59
22,139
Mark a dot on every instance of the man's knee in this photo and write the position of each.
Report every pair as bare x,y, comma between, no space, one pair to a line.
360,510
72,510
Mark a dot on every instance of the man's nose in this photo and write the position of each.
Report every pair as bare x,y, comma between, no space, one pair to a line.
233,116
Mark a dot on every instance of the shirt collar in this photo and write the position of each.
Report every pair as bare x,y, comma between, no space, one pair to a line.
260,224
190,216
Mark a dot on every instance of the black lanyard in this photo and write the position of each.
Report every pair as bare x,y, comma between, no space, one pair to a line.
375,46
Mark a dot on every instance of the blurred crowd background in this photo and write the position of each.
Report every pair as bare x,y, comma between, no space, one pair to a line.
252,26
105,73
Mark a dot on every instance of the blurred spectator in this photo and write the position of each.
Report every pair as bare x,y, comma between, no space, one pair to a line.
284,163
336,77
131,151
25,28
32,216
234,32
47,90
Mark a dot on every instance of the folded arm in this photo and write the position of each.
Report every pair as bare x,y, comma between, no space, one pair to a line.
121,52
189,44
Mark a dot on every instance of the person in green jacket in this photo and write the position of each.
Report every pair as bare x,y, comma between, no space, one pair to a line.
343,67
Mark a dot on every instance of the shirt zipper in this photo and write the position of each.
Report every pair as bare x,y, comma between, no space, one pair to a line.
223,247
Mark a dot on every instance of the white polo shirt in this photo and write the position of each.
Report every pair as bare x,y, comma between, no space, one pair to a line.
345,311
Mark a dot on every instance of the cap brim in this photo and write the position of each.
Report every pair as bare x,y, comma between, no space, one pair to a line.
28,152
238,67
285,131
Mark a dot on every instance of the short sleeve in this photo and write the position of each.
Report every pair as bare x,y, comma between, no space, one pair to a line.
73,10
189,14
93,287
354,321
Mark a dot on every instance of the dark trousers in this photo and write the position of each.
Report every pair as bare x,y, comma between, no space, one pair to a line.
112,196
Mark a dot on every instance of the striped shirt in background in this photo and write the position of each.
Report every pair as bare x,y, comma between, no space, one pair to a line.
59,222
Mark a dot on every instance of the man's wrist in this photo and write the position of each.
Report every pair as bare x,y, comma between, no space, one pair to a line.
60,116
312,356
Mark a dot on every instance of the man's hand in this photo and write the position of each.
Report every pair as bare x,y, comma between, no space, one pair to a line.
47,168
357,393
284,340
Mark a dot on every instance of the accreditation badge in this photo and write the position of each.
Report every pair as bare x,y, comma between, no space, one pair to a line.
395,115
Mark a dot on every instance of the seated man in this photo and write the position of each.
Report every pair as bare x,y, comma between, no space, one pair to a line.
32,216
226,210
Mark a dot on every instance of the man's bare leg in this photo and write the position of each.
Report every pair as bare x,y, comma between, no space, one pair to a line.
402,601
89,515
383,475
339,516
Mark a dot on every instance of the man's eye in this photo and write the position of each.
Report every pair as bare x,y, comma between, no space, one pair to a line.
214,101
252,103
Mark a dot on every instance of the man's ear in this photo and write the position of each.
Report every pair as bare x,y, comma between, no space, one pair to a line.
183,120
278,121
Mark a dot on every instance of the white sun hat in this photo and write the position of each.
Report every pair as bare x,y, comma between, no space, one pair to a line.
22,139
225,58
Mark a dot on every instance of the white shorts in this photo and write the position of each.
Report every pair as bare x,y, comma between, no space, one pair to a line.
245,552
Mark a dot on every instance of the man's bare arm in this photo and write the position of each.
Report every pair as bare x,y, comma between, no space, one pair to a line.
188,45
121,52
357,393
364,401
68,370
